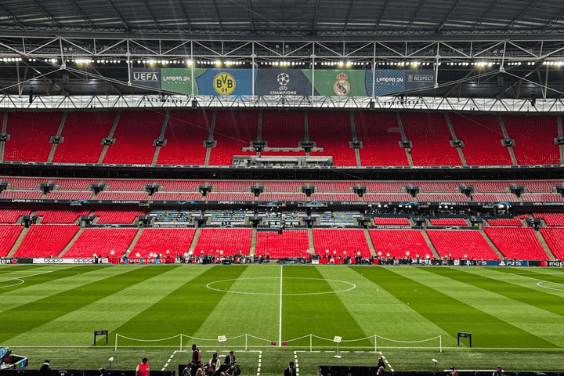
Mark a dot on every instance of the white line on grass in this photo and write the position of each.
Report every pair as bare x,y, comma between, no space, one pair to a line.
280,321
169,360
259,362
386,361
21,280
296,363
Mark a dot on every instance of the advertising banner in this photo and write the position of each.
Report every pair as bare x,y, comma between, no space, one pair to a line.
341,83
282,82
177,80
224,82
390,81
149,77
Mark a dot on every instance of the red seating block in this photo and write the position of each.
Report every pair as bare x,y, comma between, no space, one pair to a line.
448,222
8,236
516,243
223,242
340,242
399,243
380,136
534,138
101,242
291,243
233,131
554,238
163,241
332,131
176,196
46,240
60,216
12,216
283,129
461,244
118,216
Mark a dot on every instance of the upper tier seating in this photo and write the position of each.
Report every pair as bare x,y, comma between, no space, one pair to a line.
234,130
489,186
380,135
282,197
179,185
163,241
330,187
122,196
400,243
340,242
233,186
101,242
282,186
12,216
230,197
331,130
516,243
134,135
482,137
334,197
448,222
554,238
438,197
516,221
430,136
224,242
551,219
125,184
30,133
8,236
541,197
82,136
539,186
60,216
73,184
385,186
494,197
68,195
283,129
391,221
176,196
534,138
185,134
291,243
25,183
124,217
386,197
32,195
461,244
46,240
438,186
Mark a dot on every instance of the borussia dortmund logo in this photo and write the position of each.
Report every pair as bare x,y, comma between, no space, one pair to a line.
224,83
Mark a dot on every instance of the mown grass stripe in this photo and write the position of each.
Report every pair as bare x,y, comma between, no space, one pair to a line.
32,315
446,306
110,312
32,276
377,311
255,291
182,311
485,280
322,315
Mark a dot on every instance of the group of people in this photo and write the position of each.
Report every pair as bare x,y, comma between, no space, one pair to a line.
213,367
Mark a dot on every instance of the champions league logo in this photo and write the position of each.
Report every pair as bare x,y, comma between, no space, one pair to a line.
283,80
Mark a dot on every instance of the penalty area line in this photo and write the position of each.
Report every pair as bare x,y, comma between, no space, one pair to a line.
169,360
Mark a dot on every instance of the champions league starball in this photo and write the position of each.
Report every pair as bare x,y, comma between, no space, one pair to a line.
283,79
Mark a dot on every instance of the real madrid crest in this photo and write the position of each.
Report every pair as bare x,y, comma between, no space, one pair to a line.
342,86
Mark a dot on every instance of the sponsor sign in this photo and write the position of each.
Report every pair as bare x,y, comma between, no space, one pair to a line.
86,260
224,82
150,77
281,82
176,80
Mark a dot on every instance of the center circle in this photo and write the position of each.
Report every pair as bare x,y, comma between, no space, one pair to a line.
217,286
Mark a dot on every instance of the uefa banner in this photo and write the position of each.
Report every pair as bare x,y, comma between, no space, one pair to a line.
281,82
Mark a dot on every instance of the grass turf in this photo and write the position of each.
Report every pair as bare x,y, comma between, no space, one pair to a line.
515,318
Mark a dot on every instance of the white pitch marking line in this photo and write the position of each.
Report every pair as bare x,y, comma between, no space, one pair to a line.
280,322
21,280
296,363
386,361
169,360
259,362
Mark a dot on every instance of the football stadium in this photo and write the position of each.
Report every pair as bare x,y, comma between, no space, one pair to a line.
358,187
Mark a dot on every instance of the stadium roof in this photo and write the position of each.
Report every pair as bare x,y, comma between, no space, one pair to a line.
285,19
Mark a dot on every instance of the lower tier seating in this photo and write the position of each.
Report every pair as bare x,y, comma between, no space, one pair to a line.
8,236
291,243
118,217
400,243
223,242
516,243
102,242
46,240
12,216
554,238
340,243
461,244
60,216
163,241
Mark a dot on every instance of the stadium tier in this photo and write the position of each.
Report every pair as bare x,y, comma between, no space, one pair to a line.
461,244
118,217
516,243
448,222
134,136
60,216
340,243
163,241
177,196
77,137
102,242
275,245
400,244
554,237
551,219
82,136
185,134
380,136
8,236
429,135
46,240
12,216
226,242
391,221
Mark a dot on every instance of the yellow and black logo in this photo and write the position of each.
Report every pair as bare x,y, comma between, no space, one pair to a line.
224,83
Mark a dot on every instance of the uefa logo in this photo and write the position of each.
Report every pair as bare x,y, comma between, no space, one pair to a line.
283,80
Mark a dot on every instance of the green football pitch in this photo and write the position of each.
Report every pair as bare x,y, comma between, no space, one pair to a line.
271,314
